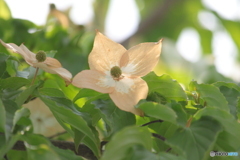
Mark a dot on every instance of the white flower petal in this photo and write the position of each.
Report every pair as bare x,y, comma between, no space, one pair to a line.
127,98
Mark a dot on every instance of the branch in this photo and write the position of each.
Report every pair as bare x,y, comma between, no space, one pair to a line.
156,17
159,120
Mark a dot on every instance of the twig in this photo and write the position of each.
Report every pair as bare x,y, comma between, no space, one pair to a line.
159,120
58,134
158,136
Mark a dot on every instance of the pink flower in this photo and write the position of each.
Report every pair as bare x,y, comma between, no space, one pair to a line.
118,71
48,64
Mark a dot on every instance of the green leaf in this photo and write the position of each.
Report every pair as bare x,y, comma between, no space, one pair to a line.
229,123
13,83
181,114
86,93
138,152
2,117
25,95
168,156
40,148
124,140
167,87
71,117
53,92
165,129
115,118
229,85
10,109
5,12
158,111
210,94
232,93
7,145
196,141
3,64
22,114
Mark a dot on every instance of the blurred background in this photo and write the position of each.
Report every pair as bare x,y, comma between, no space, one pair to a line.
201,37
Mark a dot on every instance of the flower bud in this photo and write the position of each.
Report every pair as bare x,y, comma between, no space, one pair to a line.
41,56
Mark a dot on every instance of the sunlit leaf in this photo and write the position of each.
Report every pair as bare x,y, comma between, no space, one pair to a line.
5,12
167,87
158,111
210,94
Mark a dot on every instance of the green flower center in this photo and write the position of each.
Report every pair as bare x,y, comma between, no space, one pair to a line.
41,56
116,72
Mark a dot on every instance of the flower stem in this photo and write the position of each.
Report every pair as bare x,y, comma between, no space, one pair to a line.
35,75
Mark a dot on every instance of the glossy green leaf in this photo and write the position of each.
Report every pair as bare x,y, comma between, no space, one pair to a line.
158,111
125,140
165,86
196,141
115,118
210,94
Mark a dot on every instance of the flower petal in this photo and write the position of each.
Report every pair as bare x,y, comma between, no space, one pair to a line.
52,62
62,72
141,59
90,79
28,56
105,53
126,101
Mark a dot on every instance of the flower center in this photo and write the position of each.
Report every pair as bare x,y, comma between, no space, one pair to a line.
41,56
116,73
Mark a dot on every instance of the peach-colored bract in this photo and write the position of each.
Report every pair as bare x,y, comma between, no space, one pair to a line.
50,65
127,89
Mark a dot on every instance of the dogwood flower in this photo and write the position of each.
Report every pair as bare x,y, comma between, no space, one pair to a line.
118,71
39,60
